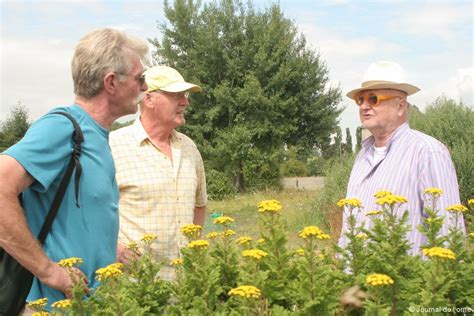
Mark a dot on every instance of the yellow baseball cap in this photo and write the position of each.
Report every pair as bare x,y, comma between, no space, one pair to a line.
167,79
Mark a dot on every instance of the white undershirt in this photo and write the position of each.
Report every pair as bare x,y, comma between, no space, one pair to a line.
379,154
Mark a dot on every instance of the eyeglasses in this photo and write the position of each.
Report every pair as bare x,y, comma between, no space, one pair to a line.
140,78
373,99
174,95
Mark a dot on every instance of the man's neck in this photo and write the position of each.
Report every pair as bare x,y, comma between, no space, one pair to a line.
98,109
158,133
382,137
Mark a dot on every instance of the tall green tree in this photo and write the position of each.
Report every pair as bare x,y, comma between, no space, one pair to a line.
263,87
348,146
15,126
358,138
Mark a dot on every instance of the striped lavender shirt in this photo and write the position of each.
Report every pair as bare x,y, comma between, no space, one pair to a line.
413,163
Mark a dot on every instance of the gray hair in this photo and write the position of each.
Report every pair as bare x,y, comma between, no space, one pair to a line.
101,51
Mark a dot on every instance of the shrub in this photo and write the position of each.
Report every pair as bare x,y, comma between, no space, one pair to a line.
293,168
452,124
218,185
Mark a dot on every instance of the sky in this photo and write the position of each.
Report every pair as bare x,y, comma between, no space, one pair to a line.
432,40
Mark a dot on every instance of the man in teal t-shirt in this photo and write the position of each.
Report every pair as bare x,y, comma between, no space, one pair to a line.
107,70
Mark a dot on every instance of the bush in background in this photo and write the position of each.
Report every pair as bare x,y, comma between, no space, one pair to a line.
218,185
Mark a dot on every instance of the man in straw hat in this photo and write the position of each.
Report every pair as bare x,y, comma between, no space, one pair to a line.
160,171
396,158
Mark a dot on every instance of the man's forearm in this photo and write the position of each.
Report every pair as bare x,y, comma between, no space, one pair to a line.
199,215
17,239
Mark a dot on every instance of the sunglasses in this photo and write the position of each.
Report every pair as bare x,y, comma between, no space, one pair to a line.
174,95
373,99
139,78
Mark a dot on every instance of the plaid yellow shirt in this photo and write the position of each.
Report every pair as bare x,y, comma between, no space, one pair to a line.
157,196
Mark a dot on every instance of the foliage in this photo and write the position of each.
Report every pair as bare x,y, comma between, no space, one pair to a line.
293,168
451,123
116,125
223,274
262,87
358,139
16,125
218,185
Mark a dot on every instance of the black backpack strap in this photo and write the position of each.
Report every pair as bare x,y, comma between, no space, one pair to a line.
74,163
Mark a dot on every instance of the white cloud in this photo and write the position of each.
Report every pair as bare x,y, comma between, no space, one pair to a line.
434,20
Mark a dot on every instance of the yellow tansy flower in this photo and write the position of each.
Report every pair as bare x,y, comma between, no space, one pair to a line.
435,192
471,235
299,252
373,213
439,252
177,262
310,231
222,220
245,291
62,304
391,200
42,313
191,230
212,235
70,262
457,208
269,206
378,279
148,238
470,202
362,236
228,232
199,244
255,253
243,240
110,271
261,241
38,304
349,202
382,194
133,246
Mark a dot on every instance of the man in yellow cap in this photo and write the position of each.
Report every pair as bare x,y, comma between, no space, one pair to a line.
160,172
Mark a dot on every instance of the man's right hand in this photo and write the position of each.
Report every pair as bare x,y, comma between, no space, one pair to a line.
63,280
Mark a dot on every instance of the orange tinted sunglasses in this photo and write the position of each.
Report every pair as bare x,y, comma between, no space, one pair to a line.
372,99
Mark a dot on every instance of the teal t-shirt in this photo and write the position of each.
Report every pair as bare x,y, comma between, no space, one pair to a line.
89,231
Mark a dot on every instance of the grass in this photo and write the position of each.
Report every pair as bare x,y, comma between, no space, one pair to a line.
297,211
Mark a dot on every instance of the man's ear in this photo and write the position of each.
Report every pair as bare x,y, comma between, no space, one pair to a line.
110,83
147,101
402,106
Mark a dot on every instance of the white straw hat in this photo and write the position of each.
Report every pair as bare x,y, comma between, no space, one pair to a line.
384,75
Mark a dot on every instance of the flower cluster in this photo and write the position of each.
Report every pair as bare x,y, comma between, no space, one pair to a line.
255,253
228,232
471,235
362,236
457,208
382,194
269,206
435,192
148,238
439,252
38,304
349,202
177,262
198,244
245,291
222,220
132,246
191,230
373,213
70,262
470,202
243,240
391,200
299,252
42,313
111,271
212,235
313,231
378,279
62,304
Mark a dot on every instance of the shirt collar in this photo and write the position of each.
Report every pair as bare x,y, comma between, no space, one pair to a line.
141,135
368,143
